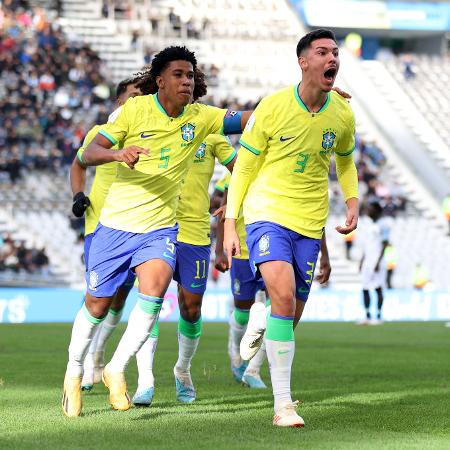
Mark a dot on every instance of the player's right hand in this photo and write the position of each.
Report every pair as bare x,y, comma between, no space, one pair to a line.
130,155
220,213
80,204
231,244
221,262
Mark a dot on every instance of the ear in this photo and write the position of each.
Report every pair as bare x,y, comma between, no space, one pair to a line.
302,62
159,82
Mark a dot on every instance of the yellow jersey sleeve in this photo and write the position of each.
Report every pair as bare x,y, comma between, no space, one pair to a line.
256,133
222,148
223,183
346,144
213,116
87,140
118,125
104,177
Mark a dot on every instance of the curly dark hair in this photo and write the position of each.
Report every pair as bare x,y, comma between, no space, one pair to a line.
147,84
169,54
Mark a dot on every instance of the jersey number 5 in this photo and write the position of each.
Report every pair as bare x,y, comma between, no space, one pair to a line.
164,158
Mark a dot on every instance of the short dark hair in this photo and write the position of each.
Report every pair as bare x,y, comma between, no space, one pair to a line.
308,39
122,86
169,54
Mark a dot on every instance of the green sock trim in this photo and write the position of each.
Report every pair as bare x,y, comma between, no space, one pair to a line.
116,313
241,316
149,304
155,330
280,329
191,330
88,316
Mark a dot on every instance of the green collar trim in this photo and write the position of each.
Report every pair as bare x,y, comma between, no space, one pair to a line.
304,107
161,108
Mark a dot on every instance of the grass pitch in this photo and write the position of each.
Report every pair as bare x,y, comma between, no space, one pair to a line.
385,387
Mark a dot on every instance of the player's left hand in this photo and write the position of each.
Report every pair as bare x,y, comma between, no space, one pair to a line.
80,203
342,93
324,270
220,213
221,262
351,221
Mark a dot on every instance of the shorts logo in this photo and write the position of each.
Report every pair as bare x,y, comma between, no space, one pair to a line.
200,153
328,139
187,132
93,280
237,287
264,245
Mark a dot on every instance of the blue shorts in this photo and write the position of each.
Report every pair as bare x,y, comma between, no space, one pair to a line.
269,241
244,285
191,270
129,282
114,252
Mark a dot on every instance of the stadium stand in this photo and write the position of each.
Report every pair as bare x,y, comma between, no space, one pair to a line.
92,44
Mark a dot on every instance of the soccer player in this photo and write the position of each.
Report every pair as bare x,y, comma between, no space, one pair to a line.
244,287
92,205
375,239
158,135
192,266
282,171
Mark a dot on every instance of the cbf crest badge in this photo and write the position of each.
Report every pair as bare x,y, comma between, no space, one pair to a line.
237,286
264,245
187,132
328,139
200,153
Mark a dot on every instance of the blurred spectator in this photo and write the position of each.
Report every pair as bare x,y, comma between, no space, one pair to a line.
420,276
43,110
408,70
391,257
175,22
446,210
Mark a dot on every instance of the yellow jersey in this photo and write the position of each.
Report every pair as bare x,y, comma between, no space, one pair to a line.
104,176
145,198
193,208
282,169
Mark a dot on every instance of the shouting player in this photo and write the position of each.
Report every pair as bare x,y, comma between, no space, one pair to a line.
282,171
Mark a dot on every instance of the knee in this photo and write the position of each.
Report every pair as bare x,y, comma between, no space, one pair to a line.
191,313
97,308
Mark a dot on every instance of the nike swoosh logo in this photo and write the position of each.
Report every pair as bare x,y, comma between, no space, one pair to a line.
282,138
145,136
193,285
168,256
282,352
302,290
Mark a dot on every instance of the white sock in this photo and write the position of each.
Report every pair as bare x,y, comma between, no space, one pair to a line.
83,330
186,351
138,330
280,355
144,359
234,339
110,323
254,366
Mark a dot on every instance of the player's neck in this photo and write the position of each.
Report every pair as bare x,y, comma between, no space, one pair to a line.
171,109
312,96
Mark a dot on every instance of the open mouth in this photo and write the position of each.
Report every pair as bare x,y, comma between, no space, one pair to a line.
330,74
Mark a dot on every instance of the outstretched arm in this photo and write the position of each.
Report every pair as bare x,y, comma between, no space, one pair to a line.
348,180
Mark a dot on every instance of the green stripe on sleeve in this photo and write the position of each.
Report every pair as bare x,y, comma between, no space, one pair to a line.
108,136
249,147
345,153
80,157
229,159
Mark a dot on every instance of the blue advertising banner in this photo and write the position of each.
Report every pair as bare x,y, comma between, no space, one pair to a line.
374,14
24,305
